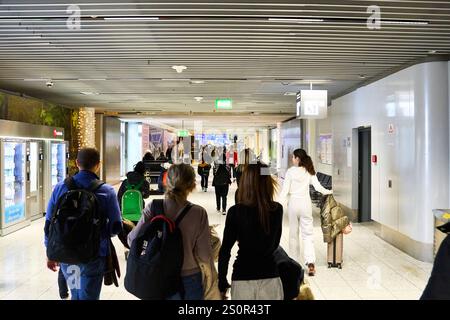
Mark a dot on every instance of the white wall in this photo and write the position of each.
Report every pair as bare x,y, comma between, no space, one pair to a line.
264,145
415,157
320,127
134,145
111,150
290,140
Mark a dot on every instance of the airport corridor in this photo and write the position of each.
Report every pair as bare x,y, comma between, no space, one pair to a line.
372,268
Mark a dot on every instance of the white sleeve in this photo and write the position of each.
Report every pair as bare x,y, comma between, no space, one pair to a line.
286,186
316,184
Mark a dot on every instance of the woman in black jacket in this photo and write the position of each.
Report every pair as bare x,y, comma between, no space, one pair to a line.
203,171
135,177
221,183
255,223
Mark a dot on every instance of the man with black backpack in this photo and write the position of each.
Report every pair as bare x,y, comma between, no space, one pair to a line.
82,215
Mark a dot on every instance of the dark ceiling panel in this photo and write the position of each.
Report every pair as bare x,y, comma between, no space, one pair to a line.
257,52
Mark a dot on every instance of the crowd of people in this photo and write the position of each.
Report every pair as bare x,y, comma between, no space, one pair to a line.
254,222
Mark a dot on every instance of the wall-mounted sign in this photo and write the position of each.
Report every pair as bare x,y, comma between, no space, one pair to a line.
14,213
224,104
391,128
326,148
312,104
57,133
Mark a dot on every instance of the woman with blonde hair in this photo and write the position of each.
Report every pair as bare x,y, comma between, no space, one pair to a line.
194,229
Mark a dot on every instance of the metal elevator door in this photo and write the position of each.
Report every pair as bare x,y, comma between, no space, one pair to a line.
364,174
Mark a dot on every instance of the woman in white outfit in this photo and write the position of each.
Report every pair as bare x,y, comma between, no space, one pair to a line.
296,185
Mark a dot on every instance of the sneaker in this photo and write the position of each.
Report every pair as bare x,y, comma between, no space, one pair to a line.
224,212
311,269
206,190
218,211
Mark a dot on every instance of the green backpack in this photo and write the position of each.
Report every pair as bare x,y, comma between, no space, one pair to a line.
132,202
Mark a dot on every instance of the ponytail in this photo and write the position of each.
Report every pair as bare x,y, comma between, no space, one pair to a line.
305,161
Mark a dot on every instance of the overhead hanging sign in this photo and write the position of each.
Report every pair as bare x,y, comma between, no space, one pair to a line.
224,104
312,104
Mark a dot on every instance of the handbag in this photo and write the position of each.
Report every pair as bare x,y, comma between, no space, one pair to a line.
347,229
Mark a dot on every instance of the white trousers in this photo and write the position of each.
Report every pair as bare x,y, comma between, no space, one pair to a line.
263,289
300,217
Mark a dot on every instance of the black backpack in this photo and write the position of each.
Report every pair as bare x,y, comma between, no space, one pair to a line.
76,225
156,257
222,176
291,273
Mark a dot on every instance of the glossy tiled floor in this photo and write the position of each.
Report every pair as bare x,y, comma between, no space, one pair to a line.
372,268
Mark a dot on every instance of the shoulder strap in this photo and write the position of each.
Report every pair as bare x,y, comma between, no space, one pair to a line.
183,214
95,184
70,183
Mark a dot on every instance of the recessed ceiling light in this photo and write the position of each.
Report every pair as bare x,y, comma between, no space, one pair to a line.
93,79
405,22
89,93
198,99
296,20
197,81
38,43
432,51
132,18
175,79
179,69
290,93
41,79
362,76
309,81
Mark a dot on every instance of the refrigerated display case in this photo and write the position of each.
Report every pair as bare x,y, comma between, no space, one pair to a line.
58,164
13,182
24,173
35,180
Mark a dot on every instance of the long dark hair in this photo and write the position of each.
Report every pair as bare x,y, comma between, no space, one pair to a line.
261,196
305,161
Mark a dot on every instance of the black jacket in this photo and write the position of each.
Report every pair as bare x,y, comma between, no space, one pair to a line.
255,259
134,178
222,175
203,169
438,287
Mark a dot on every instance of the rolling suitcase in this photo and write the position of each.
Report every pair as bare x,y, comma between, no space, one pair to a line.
335,252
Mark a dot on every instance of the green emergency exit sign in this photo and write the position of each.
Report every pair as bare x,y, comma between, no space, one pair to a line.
183,133
226,104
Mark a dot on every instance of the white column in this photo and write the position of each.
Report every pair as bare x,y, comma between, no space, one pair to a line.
432,147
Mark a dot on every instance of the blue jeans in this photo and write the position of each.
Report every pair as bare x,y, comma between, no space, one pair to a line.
62,285
193,288
85,280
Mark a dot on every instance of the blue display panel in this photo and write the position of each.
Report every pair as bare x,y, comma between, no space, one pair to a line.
58,163
215,139
14,181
